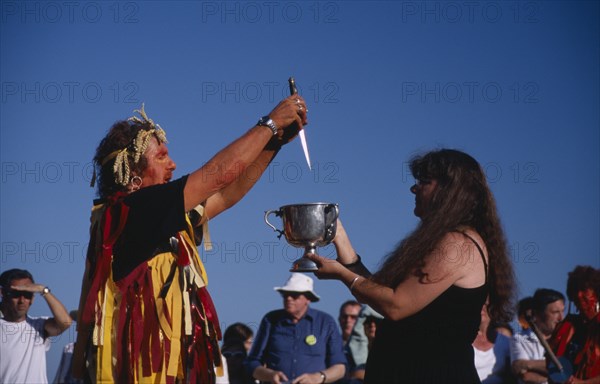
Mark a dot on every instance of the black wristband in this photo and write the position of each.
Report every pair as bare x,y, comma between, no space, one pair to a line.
357,262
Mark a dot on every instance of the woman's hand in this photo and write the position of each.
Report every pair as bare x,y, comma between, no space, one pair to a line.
328,269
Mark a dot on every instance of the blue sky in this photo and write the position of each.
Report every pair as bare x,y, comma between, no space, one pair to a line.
515,84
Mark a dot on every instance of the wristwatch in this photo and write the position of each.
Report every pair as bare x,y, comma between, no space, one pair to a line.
266,121
45,291
323,377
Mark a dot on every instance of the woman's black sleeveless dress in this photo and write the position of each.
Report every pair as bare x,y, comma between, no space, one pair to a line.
432,346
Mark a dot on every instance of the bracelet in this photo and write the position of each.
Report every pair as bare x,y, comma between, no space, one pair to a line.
354,282
323,376
353,264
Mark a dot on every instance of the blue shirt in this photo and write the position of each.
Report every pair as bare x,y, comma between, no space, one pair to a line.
311,345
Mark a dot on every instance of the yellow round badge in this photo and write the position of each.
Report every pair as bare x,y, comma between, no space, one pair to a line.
311,340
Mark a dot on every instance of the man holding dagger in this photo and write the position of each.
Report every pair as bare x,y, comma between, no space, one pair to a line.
145,313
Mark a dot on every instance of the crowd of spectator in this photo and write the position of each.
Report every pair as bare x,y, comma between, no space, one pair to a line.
298,342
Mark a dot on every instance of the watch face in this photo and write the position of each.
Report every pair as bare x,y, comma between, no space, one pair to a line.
267,122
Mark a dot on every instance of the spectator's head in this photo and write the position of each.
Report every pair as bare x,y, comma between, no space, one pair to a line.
583,289
348,315
238,336
524,310
15,304
297,294
548,309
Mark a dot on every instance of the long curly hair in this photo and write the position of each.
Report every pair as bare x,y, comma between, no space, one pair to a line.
121,135
581,278
461,199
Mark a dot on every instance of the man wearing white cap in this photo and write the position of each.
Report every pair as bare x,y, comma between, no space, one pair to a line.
297,344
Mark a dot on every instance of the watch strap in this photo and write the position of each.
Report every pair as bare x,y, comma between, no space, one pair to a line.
266,121
323,376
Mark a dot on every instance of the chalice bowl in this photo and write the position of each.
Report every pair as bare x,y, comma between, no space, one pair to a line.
307,226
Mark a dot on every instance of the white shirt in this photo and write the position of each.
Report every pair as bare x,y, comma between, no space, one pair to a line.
225,378
492,364
23,351
526,346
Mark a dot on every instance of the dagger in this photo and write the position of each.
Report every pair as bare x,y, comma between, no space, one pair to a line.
301,133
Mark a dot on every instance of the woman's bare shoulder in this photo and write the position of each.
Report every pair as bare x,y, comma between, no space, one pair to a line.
457,255
472,258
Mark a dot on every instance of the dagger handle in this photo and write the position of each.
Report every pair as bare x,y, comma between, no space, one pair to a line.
293,89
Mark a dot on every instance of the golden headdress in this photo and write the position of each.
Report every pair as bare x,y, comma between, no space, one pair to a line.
135,149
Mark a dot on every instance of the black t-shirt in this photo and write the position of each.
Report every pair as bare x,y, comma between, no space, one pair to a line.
155,214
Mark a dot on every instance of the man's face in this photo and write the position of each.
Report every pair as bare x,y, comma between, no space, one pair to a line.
160,166
295,303
587,302
552,315
16,303
348,316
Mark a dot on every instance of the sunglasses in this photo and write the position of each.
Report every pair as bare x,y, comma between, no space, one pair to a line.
293,295
11,293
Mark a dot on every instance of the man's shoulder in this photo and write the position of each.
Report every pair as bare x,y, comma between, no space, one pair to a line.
275,315
37,322
525,339
29,320
316,313
524,334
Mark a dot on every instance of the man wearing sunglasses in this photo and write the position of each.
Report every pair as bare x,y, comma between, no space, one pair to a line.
297,344
24,339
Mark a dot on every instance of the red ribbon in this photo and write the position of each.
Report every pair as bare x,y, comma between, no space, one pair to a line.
103,264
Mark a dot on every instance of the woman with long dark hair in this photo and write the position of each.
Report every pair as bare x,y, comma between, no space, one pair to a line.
432,287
